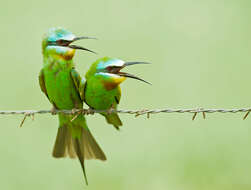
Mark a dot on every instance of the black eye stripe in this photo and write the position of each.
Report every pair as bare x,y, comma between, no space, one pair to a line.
51,43
113,69
63,42
60,42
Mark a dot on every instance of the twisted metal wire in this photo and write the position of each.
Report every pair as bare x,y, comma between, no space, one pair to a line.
147,112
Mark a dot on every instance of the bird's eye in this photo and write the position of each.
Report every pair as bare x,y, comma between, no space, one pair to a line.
113,69
63,42
60,41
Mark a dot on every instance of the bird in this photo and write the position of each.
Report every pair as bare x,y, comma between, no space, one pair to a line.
60,82
101,90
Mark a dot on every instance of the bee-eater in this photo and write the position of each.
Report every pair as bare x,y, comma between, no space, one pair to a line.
60,82
101,90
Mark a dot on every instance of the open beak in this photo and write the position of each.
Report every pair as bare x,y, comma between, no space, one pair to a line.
67,43
80,47
130,75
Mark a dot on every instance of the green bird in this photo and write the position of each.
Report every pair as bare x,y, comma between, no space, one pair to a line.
60,82
101,90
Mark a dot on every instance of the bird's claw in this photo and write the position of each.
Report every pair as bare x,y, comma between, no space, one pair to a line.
110,111
74,111
89,111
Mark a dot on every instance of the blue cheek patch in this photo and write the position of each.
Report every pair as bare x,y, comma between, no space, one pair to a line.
107,76
102,75
58,49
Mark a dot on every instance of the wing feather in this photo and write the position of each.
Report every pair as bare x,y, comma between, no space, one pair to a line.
42,83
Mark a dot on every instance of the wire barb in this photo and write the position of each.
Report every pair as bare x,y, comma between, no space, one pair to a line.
246,115
133,112
194,115
22,122
198,110
148,115
25,116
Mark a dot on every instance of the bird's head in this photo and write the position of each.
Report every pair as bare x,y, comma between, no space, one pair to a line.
109,71
58,43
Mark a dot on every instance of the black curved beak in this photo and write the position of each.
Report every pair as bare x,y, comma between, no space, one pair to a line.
80,47
135,63
130,75
84,37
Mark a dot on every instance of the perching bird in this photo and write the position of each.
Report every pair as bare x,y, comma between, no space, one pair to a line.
60,82
101,91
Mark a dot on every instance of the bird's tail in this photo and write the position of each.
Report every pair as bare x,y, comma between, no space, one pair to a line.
75,139
64,143
113,119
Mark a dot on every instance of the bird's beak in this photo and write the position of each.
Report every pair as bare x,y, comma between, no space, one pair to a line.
80,47
130,75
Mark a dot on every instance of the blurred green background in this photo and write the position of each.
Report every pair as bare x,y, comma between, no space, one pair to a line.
200,52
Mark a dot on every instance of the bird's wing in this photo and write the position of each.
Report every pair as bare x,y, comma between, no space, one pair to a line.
76,78
118,96
42,83
82,88
78,82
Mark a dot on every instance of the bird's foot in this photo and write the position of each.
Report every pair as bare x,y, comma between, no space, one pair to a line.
74,111
110,111
89,111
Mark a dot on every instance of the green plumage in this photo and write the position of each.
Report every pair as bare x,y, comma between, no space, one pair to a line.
102,92
60,82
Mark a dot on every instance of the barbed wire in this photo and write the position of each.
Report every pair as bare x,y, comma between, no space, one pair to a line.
148,112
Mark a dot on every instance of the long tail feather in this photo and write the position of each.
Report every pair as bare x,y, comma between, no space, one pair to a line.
75,139
81,157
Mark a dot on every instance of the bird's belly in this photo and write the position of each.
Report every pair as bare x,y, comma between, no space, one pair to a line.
100,99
